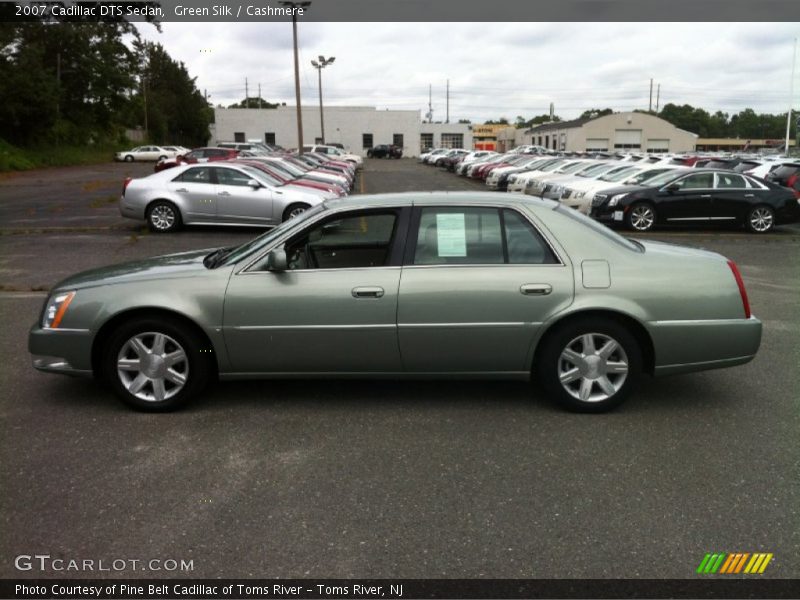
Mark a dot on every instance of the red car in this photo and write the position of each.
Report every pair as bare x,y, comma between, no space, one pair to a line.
281,178
198,155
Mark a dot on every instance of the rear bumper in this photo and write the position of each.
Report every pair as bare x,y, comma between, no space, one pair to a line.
688,346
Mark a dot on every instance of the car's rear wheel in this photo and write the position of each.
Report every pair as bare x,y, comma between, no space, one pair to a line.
761,219
156,364
162,158
294,210
163,216
129,158
589,365
641,217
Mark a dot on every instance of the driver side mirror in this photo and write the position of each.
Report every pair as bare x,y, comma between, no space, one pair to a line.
673,188
276,261
253,184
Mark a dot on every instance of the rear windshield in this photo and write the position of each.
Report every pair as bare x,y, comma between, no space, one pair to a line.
785,171
599,228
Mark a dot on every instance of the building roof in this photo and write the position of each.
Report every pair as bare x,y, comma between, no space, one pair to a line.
559,125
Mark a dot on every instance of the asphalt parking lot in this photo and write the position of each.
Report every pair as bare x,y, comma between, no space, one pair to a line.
386,479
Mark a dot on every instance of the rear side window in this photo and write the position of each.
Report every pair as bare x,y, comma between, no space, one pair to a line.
726,181
195,175
700,181
478,236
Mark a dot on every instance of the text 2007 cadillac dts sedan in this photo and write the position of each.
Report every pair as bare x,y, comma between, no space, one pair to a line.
407,285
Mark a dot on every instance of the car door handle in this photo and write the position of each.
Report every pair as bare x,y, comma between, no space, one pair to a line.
535,289
705,195
749,195
368,292
224,194
182,190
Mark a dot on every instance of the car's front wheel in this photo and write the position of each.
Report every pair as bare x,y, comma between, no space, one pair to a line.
294,210
156,364
128,158
589,365
761,219
641,217
163,216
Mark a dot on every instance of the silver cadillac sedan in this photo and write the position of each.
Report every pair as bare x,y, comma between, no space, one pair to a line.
217,193
406,285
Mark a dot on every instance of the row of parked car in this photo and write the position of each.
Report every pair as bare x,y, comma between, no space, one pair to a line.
642,191
226,185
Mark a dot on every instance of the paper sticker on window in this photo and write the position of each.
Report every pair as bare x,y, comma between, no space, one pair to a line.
451,234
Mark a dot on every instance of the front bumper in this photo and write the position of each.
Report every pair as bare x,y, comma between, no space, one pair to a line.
65,351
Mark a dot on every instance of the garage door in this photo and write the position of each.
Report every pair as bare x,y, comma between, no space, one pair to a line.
596,144
658,145
628,138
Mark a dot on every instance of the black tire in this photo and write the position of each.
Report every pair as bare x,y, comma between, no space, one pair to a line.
196,366
294,209
129,158
162,158
551,365
163,217
760,219
641,217
369,153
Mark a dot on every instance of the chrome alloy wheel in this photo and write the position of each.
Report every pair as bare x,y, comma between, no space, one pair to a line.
642,217
593,367
296,212
761,219
162,217
152,366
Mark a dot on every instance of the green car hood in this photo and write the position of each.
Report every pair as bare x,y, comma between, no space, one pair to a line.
182,264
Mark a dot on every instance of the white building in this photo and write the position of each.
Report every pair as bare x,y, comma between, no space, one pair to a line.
357,128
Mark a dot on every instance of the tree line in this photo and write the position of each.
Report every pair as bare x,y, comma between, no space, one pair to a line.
77,83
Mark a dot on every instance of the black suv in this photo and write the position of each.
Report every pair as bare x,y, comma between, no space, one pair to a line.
385,151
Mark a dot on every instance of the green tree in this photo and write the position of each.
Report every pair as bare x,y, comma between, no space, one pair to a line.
596,112
253,103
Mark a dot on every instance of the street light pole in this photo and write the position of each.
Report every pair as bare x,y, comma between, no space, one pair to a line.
323,62
296,5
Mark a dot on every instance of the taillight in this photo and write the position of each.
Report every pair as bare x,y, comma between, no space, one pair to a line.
742,292
791,181
125,184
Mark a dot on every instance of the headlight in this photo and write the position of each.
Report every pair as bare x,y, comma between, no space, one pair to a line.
615,199
55,309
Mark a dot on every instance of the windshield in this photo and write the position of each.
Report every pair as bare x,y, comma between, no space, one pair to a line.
260,175
619,175
646,176
596,170
261,241
660,180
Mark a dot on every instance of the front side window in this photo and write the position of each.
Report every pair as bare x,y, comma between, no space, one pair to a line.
232,177
700,181
346,242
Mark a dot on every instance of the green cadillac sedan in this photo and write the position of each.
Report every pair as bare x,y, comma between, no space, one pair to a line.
405,285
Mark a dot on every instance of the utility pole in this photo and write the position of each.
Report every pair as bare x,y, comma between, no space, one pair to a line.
447,117
323,62
650,106
658,95
259,96
144,95
58,95
302,5
246,95
430,105
791,97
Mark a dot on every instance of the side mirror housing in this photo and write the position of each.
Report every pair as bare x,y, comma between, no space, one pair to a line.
673,188
276,261
253,184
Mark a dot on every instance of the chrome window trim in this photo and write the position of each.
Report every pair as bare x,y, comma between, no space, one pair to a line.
245,270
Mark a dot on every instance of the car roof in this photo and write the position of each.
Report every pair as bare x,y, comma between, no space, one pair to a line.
439,199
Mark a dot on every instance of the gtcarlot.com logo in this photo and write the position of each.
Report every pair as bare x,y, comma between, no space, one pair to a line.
45,562
732,563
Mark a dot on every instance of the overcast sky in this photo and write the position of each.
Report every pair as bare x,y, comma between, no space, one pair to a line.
495,69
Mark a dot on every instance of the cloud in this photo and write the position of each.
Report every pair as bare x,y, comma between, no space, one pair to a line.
495,69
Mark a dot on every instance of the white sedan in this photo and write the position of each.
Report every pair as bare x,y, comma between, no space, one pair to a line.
153,153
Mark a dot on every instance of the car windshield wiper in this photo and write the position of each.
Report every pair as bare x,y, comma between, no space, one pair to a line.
217,256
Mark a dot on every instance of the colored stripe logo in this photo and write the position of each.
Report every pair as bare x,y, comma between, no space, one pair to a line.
727,563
